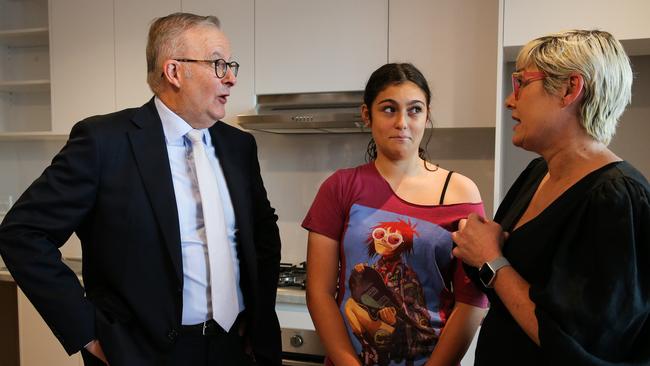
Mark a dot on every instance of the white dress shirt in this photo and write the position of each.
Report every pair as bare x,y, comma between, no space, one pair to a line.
194,249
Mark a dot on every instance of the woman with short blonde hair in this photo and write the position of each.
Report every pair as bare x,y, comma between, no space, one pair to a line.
566,262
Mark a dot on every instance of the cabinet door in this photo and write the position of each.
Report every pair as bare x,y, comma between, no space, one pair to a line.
38,346
528,19
314,45
132,21
82,60
454,44
24,67
237,23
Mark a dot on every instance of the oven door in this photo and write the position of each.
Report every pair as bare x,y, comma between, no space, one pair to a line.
300,343
301,347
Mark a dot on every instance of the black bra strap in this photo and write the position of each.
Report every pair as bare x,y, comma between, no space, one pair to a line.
444,188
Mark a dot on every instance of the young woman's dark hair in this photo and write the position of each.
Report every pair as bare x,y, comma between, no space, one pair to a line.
394,74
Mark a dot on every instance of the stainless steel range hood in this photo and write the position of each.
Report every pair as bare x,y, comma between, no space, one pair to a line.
331,112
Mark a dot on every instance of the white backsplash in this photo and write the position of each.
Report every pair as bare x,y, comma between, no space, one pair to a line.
294,166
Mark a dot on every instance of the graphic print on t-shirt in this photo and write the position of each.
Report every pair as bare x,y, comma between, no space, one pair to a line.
393,290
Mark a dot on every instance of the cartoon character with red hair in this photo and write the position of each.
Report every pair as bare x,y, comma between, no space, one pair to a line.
387,309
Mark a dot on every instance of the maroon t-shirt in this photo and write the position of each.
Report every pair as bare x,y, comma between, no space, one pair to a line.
398,281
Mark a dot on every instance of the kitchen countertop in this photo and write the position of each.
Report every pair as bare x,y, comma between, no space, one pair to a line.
4,274
291,295
286,295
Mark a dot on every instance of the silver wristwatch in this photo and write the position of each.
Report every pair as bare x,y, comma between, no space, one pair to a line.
488,270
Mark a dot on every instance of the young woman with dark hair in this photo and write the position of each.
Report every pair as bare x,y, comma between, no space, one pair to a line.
383,287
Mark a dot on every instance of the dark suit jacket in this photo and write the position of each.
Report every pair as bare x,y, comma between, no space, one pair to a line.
111,184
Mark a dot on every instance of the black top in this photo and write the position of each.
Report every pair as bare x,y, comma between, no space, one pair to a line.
587,259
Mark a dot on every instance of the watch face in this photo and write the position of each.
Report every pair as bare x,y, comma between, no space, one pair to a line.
486,275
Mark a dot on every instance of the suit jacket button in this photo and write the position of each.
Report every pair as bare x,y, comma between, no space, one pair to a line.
172,335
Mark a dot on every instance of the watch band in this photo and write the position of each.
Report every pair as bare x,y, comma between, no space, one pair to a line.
498,263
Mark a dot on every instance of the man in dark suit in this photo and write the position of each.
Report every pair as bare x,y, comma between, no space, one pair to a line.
170,278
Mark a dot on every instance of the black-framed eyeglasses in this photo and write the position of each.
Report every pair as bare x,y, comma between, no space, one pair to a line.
220,65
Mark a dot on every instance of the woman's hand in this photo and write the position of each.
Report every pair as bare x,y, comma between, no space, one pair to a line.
478,240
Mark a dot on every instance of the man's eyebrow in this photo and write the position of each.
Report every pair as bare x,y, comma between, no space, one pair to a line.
216,54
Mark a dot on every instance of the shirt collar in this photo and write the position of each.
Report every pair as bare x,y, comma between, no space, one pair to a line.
175,127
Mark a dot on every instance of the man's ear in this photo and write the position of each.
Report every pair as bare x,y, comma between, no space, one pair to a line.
574,89
171,72
365,115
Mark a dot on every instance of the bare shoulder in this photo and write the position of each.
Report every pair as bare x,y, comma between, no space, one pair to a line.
461,190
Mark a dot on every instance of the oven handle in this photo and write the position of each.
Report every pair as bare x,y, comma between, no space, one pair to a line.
299,363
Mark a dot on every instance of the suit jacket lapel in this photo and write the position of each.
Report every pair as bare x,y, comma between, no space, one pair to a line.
150,151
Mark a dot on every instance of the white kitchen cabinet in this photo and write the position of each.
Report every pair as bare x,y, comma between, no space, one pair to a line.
524,20
315,46
82,60
132,20
237,22
24,68
38,346
454,44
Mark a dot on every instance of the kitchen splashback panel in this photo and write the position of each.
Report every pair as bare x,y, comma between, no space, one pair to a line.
294,166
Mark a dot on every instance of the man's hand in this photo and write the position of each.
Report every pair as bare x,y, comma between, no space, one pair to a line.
96,350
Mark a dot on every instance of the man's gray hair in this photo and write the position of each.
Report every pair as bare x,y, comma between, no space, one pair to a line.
165,41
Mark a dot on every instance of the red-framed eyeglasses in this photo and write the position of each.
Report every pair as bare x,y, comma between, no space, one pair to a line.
523,78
